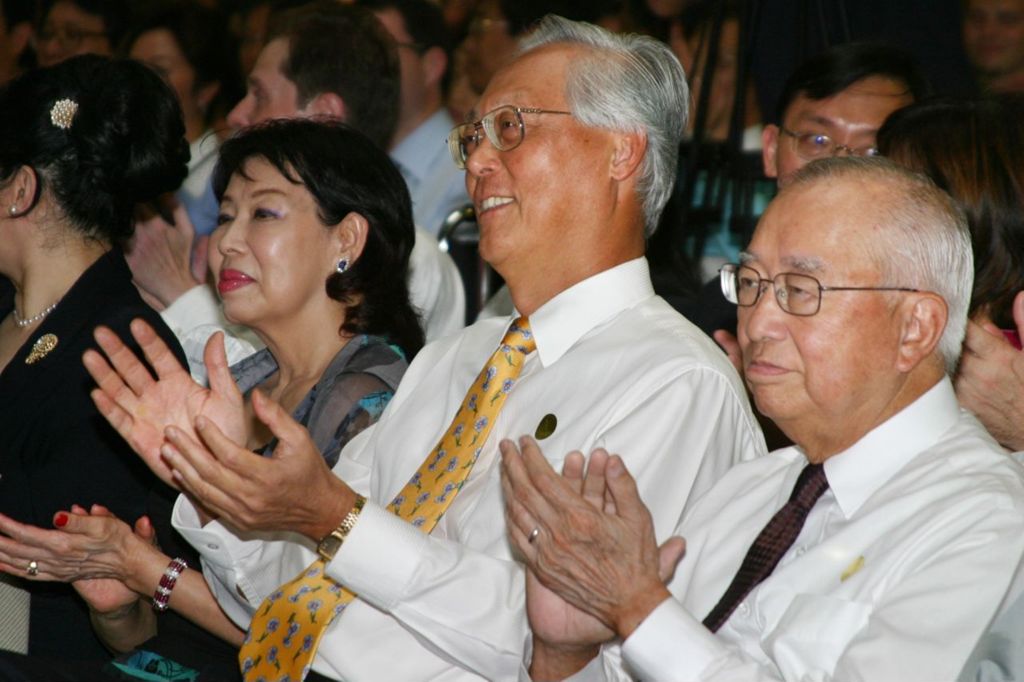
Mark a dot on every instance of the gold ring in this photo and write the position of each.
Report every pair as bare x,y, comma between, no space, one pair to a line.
33,568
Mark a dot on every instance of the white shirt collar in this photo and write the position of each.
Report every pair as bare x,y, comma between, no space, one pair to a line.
204,147
857,472
415,154
562,321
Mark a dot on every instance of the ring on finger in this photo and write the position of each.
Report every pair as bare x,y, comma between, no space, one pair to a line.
533,535
32,568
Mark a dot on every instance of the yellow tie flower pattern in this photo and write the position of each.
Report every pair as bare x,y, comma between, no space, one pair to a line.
286,630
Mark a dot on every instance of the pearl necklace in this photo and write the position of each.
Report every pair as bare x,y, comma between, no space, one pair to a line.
22,323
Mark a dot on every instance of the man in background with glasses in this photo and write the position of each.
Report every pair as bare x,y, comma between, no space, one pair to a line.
880,546
834,104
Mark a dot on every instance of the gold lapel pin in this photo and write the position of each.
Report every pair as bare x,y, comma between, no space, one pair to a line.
857,564
546,427
41,348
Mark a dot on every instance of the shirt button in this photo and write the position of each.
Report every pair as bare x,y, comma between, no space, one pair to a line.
214,546
800,550
743,609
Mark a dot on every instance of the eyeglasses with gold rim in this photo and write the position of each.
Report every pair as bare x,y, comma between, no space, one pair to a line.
503,126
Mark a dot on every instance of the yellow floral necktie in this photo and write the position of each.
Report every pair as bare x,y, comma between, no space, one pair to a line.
286,630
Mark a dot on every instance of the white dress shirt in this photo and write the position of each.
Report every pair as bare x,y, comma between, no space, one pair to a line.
616,366
435,291
436,185
898,570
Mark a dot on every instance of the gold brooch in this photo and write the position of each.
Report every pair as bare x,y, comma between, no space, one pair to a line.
857,564
41,348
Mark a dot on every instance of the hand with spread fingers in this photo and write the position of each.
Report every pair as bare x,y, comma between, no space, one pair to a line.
141,408
292,490
589,542
990,379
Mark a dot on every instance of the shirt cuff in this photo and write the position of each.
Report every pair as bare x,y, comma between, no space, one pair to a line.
670,644
196,306
253,566
379,558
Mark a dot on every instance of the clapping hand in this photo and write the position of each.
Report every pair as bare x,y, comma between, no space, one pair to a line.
141,408
292,490
589,543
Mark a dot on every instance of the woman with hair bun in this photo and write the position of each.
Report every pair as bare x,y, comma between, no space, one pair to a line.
81,143
311,252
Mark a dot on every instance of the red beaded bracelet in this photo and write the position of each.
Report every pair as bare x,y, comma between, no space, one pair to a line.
168,580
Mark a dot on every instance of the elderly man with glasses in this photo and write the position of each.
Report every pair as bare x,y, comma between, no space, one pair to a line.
568,173
879,547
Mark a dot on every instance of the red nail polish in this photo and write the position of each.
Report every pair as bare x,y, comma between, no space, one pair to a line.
61,520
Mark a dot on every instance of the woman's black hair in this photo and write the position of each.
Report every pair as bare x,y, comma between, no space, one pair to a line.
125,143
346,173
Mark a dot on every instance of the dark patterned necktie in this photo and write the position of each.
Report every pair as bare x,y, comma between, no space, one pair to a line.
771,544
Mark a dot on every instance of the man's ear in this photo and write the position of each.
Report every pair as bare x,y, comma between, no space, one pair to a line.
628,152
350,236
326,104
769,150
924,320
435,62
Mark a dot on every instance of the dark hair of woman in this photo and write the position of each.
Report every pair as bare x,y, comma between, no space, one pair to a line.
345,172
124,143
973,149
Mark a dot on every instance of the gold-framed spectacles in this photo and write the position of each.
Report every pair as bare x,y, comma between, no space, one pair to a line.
503,126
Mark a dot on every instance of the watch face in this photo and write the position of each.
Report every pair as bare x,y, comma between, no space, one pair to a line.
329,546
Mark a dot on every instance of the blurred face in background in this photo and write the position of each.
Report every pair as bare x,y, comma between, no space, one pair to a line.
159,50
850,118
68,31
994,36
269,94
489,45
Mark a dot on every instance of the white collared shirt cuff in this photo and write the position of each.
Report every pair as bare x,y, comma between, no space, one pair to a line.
209,540
198,305
380,557
671,645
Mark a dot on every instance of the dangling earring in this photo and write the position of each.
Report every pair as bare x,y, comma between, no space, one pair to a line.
342,266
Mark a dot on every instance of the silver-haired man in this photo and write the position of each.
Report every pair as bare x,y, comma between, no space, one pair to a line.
877,548
569,171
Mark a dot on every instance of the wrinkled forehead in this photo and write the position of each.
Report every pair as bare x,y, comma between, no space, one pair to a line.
535,79
820,227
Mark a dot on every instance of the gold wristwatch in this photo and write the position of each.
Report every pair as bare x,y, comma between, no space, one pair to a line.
331,543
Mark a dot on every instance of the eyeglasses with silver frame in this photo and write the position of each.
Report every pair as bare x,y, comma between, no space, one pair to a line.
503,126
811,146
796,293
